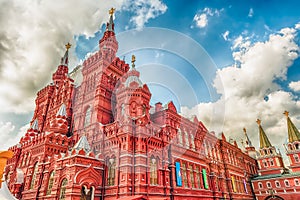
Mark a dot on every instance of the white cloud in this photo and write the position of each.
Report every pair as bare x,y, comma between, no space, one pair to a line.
225,35
249,92
295,85
32,39
251,12
145,10
7,134
201,18
297,26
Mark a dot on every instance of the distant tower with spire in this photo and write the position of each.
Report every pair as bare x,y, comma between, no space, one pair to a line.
269,160
293,145
250,149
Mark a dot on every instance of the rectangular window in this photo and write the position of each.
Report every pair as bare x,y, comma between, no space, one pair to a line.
245,186
204,177
233,183
198,177
192,177
184,175
178,174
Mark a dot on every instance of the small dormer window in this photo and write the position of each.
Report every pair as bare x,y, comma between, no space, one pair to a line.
277,183
296,182
296,157
287,183
260,185
269,185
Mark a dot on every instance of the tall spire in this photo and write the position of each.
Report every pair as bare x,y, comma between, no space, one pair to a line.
133,61
293,132
248,141
110,24
65,59
264,141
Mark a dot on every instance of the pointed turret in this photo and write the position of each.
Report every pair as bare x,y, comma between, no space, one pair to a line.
293,132
34,128
83,144
59,123
108,44
263,139
248,141
62,110
35,125
293,145
269,161
250,149
62,70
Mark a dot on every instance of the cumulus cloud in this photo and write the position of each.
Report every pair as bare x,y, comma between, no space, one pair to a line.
33,34
295,85
7,134
145,10
201,18
250,91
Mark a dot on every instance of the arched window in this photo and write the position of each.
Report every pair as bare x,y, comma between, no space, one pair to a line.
111,171
180,137
50,182
87,118
186,137
62,195
35,169
296,157
153,171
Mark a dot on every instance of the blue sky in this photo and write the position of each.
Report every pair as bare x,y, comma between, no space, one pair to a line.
249,56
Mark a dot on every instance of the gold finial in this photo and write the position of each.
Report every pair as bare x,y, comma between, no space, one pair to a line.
286,113
245,131
133,61
258,121
112,11
68,46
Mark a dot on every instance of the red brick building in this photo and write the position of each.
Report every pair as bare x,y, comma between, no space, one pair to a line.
103,140
275,181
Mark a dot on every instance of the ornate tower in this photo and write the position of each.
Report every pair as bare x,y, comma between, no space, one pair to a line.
94,99
50,99
269,161
250,149
293,145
